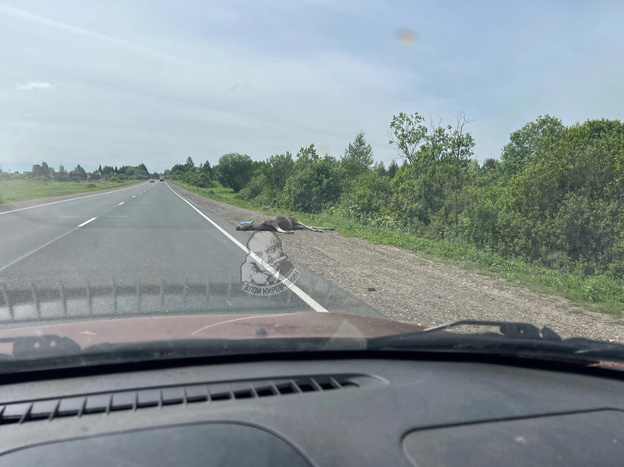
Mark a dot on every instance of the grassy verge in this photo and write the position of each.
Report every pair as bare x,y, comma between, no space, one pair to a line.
598,293
21,190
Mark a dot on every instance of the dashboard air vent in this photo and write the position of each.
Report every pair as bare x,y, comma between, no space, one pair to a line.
136,399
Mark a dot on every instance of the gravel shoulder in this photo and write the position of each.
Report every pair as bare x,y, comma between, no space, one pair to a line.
417,289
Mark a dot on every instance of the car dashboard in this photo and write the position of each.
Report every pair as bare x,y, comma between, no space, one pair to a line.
330,411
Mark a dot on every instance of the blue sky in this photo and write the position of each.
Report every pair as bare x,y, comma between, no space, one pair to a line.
119,82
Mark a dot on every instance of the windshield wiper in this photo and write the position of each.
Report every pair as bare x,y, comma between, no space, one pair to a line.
513,339
47,345
511,329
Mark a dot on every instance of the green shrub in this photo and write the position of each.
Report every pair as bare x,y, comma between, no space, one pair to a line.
315,187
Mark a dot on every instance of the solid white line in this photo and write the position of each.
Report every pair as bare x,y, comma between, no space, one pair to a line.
67,200
296,290
121,203
85,223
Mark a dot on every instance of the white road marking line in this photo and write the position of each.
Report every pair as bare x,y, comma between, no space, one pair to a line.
134,196
23,257
66,200
121,203
85,223
296,290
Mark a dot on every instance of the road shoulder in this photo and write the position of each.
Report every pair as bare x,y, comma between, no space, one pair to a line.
417,289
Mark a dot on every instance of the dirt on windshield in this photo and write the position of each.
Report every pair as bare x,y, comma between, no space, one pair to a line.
418,289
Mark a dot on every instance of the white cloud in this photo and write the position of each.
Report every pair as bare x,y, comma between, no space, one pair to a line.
33,85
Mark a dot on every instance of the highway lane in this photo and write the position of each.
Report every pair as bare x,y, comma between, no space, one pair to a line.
143,250
23,230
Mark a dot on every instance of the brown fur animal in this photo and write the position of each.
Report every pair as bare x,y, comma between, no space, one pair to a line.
281,224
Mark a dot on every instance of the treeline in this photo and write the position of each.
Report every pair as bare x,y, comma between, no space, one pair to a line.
554,198
201,176
126,172
44,172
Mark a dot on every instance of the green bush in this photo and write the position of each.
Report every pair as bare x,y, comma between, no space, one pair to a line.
253,189
234,171
367,198
315,187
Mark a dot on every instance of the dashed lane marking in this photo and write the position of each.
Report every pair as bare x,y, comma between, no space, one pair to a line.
85,223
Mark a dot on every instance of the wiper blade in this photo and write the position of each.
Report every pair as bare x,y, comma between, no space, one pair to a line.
513,339
511,329
47,345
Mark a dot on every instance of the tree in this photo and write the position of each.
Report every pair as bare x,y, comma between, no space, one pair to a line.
427,188
190,165
61,175
206,168
234,170
278,169
368,198
143,169
178,168
358,156
107,170
316,186
380,169
393,168
490,164
460,152
81,170
41,170
532,139
407,133
306,156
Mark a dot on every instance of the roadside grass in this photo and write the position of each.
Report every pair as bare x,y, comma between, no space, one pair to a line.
598,293
21,190
218,193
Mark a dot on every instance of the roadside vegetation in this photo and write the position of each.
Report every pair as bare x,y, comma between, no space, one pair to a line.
44,181
548,215
21,190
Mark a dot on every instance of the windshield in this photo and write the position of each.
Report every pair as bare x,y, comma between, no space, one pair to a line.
189,170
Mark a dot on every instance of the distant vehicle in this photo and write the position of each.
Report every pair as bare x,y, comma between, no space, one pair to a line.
152,180
162,179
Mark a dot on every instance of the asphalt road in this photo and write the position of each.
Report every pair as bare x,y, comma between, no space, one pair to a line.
142,250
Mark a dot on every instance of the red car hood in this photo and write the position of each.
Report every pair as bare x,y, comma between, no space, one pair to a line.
287,325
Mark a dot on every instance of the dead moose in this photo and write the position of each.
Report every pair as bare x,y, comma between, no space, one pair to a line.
281,224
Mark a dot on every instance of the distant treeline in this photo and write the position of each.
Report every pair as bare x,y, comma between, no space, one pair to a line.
555,197
44,172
